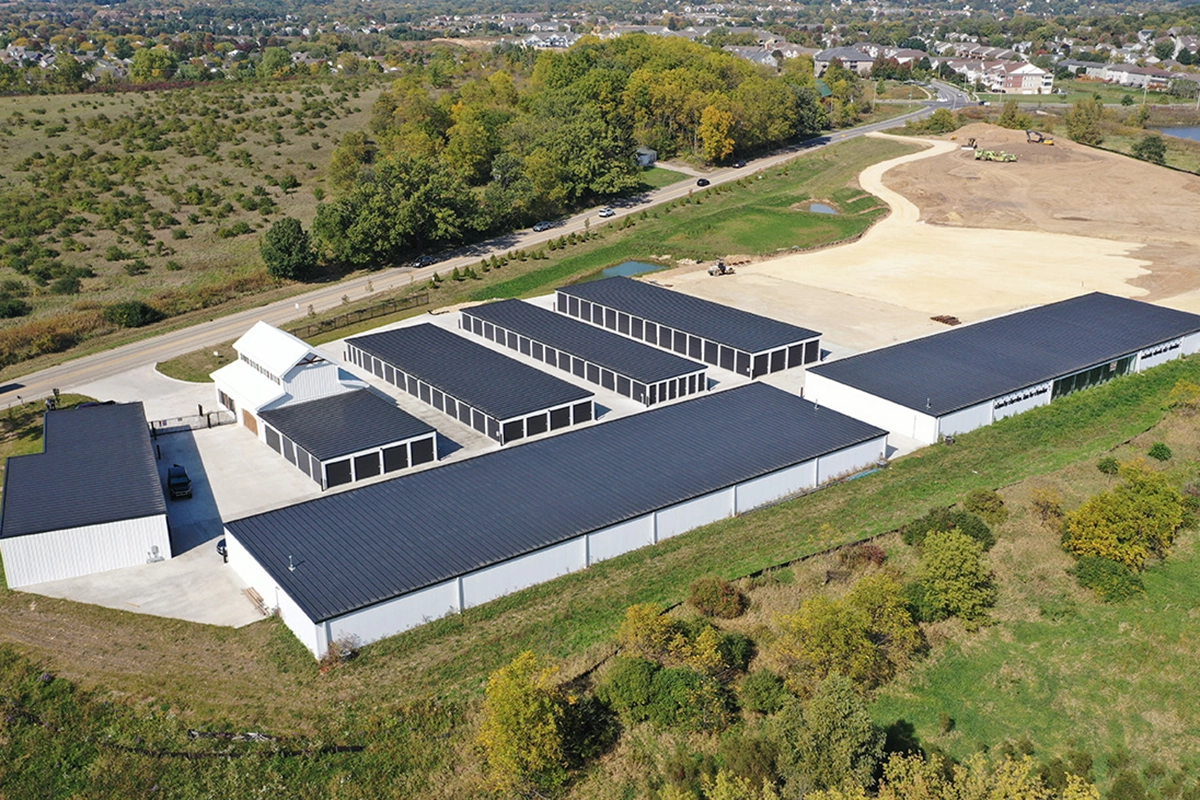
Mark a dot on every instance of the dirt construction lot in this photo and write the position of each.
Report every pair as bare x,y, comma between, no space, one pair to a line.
973,239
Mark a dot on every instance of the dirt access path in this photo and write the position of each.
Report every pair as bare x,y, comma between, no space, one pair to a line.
973,239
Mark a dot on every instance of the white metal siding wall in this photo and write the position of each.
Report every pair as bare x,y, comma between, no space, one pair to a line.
396,616
1153,356
690,514
1191,344
851,460
870,408
253,574
519,573
310,382
72,552
1019,402
769,488
966,419
621,538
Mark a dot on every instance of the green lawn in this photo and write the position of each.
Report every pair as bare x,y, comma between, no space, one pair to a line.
756,215
658,177
1077,90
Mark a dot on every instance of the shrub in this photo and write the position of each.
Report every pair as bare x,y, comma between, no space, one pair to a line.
67,284
1185,396
12,307
762,691
1046,504
862,554
114,253
945,519
1160,451
715,597
131,314
1113,581
684,698
179,233
1108,465
628,687
137,267
957,583
521,730
1130,523
986,504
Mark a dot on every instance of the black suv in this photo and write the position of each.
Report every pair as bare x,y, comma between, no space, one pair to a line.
178,483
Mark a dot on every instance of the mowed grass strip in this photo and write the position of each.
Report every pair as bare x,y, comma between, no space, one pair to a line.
226,673
761,216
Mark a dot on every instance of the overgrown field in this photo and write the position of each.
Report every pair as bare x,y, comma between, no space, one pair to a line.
154,197
407,701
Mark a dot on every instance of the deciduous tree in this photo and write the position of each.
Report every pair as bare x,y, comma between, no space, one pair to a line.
286,250
521,731
957,582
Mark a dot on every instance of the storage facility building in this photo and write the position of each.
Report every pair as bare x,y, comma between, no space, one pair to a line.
275,369
699,329
971,376
91,501
348,437
497,396
379,559
629,368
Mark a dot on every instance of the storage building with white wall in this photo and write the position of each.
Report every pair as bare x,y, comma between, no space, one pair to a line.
497,396
970,376
376,560
725,337
631,369
275,369
91,501
348,437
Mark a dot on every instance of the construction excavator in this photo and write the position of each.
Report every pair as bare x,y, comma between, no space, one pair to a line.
1034,137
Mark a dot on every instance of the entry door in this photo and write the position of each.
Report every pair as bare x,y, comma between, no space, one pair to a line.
249,421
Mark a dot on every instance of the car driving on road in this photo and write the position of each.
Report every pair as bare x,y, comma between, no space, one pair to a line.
607,212
702,182
543,226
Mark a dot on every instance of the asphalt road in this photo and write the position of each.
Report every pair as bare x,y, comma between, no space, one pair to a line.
86,369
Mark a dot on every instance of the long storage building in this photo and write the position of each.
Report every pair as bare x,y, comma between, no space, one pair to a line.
725,337
629,368
91,501
497,396
971,376
379,559
348,437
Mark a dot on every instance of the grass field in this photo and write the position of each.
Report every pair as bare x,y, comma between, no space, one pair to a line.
170,675
658,177
1077,90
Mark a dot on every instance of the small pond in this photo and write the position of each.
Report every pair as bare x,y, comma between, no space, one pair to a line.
629,269
821,208
1183,132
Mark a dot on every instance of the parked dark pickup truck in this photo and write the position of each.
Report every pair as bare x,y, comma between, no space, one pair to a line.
178,483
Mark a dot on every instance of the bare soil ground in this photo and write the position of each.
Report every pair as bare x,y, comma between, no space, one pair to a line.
974,239
1067,188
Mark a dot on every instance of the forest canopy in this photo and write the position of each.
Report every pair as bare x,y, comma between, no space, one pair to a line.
522,140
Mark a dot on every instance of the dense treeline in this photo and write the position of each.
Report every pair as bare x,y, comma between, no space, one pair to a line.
445,165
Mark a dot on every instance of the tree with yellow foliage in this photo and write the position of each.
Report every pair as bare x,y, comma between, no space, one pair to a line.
522,728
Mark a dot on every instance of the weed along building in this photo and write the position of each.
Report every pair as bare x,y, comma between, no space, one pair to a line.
629,368
497,396
379,559
91,501
348,437
725,337
971,376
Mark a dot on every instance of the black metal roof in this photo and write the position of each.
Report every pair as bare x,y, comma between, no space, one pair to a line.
618,353
489,381
976,363
98,466
713,321
377,542
345,423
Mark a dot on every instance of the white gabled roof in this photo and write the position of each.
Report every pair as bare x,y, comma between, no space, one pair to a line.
275,350
248,384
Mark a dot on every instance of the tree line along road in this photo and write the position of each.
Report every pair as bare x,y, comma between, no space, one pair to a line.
171,344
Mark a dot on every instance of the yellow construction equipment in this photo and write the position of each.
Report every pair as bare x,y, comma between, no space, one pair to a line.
1034,137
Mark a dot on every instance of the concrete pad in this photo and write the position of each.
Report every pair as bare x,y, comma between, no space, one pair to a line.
196,586
162,397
